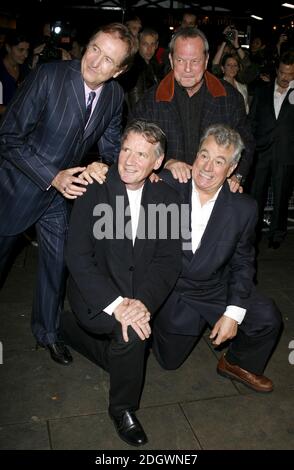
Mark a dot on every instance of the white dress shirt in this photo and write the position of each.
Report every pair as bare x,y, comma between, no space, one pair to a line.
135,197
200,216
279,97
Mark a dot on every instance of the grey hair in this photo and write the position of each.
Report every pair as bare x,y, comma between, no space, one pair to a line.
189,33
152,133
225,136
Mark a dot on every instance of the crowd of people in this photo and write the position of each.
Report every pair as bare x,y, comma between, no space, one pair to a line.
177,135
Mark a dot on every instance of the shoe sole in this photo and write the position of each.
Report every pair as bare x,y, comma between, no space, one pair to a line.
129,443
61,362
228,375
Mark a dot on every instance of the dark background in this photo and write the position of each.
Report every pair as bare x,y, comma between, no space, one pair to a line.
85,16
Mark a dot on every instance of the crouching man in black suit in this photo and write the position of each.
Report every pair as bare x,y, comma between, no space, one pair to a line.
216,283
123,260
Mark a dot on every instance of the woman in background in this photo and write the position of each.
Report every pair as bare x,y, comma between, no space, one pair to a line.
13,67
230,68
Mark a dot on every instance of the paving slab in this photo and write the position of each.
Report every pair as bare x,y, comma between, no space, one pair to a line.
25,436
15,332
166,428
253,422
34,387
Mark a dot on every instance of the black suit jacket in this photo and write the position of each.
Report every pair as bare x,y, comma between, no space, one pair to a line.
43,132
274,137
103,269
221,270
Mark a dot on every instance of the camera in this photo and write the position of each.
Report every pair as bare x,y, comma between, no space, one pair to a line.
50,51
60,37
230,35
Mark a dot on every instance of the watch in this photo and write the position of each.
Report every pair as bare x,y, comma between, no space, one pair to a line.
240,178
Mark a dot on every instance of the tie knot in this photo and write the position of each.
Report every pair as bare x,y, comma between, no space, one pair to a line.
91,98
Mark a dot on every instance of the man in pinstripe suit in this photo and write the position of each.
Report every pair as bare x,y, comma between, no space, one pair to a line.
43,137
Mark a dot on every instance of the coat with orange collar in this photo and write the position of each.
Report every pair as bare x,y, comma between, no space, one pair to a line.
223,104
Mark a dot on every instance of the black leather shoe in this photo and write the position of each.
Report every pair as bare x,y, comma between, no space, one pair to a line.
129,428
59,353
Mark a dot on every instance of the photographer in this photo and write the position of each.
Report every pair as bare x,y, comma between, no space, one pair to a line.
230,45
48,47
284,43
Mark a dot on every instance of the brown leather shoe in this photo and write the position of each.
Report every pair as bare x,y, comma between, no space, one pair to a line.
259,383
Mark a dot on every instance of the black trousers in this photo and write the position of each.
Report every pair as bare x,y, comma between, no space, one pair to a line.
123,360
269,171
250,349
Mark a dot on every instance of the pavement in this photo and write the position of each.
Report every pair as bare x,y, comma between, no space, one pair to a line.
46,406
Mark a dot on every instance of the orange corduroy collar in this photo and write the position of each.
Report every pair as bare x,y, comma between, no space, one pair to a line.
166,88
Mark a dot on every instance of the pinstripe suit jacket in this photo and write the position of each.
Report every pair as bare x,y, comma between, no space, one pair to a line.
43,132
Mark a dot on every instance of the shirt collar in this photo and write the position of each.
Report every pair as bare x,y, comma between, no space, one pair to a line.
291,85
135,192
214,197
88,91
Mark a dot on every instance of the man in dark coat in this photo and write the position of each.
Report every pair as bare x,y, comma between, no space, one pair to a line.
272,117
216,282
123,259
188,100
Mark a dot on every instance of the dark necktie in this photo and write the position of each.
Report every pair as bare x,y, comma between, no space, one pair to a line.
91,98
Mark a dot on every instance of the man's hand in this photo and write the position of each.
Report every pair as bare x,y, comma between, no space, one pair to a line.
142,328
136,311
95,171
180,170
132,312
69,185
65,55
225,328
154,178
138,317
234,184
